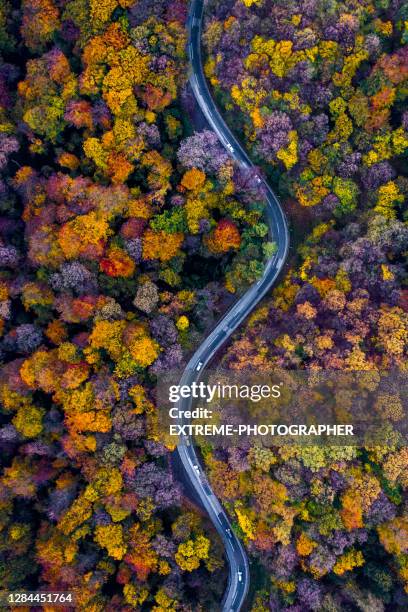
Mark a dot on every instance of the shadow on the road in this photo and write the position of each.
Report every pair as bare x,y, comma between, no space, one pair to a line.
180,475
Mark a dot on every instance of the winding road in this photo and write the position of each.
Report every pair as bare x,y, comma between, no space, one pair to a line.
238,582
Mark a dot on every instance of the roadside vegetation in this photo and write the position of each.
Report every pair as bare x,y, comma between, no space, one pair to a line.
123,237
317,91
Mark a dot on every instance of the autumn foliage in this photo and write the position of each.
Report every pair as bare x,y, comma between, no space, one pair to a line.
318,96
124,234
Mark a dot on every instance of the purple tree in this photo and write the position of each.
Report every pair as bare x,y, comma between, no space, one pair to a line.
127,424
9,257
202,150
170,359
74,276
163,330
376,175
274,134
8,145
151,481
309,594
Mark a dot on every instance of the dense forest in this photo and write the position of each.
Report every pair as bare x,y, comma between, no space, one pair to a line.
125,233
318,90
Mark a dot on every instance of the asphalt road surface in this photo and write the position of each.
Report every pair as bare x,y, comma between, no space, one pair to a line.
238,582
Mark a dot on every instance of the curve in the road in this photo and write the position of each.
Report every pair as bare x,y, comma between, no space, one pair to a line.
238,582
